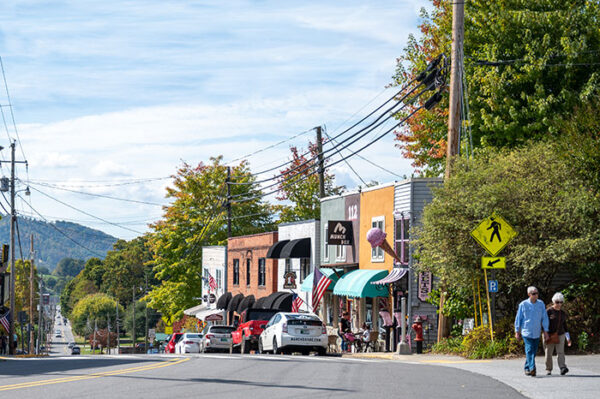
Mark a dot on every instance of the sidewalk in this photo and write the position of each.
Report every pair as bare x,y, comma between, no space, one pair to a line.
582,381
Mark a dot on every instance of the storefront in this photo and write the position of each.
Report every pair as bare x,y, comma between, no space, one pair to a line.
213,274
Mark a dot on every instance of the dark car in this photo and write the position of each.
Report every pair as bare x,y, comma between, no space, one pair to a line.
170,348
75,350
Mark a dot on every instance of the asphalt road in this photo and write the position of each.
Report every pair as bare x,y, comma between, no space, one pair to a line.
238,376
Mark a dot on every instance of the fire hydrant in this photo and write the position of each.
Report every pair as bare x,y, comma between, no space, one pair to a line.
418,328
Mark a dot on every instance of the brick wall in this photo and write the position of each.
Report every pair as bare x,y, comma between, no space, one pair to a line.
252,248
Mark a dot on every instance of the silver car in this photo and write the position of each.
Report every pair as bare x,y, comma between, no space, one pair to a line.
217,338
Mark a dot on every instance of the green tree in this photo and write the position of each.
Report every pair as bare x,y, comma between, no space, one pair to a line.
538,193
196,218
75,290
140,318
98,308
544,62
69,267
299,184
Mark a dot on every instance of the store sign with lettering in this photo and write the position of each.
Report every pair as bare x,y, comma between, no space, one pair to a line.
425,284
340,232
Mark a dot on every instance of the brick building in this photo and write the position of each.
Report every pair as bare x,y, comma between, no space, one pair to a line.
249,271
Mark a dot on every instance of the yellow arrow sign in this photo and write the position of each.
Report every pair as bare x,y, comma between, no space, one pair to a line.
493,263
493,233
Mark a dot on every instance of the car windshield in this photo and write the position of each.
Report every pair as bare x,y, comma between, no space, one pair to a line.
302,320
222,330
193,335
260,314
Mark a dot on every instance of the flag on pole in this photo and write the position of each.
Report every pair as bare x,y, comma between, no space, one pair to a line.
320,284
5,321
212,283
296,303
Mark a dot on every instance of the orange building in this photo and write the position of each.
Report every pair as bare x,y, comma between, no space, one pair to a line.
376,210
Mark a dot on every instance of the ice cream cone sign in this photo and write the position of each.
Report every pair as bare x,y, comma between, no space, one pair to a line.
376,238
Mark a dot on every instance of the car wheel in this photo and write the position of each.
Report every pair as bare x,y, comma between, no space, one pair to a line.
260,347
305,352
276,350
322,351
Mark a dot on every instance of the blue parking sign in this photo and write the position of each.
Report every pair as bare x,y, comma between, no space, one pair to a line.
493,285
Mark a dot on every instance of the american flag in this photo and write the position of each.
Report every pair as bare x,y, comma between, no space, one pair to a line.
296,303
212,283
320,284
5,321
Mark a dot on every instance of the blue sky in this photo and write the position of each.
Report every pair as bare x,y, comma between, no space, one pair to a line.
108,91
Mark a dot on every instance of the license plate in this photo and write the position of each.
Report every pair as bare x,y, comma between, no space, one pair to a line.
306,332
223,339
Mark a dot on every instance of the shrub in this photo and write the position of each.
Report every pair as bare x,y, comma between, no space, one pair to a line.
448,346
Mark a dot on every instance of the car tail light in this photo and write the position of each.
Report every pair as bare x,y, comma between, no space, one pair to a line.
284,328
209,336
189,342
323,329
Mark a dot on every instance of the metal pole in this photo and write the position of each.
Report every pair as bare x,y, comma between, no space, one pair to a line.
321,170
108,335
95,328
403,348
39,336
487,290
31,311
13,218
118,333
146,310
133,320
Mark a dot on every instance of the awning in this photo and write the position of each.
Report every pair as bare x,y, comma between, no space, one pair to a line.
259,302
307,284
275,250
395,275
357,284
277,300
223,300
210,313
192,311
235,302
299,248
245,303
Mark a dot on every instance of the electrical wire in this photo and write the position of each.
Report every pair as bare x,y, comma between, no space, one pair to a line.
347,163
84,212
63,233
123,183
96,195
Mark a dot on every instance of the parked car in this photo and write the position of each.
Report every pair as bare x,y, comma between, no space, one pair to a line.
75,350
294,332
217,338
188,343
245,337
170,348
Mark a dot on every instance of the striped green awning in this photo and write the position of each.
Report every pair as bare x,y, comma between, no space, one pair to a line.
357,284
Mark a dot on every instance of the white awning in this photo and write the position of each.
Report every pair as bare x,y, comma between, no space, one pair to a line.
395,275
192,311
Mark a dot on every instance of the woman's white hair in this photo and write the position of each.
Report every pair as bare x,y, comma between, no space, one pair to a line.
531,289
558,297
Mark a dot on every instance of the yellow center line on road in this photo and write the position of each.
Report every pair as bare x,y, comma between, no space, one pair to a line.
91,376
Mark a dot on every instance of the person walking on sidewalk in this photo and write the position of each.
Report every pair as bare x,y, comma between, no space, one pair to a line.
558,334
531,318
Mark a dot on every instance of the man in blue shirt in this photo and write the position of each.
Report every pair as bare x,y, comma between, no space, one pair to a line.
531,318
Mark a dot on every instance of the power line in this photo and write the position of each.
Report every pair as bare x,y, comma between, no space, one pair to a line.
347,163
97,195
123,183
85,213
63,233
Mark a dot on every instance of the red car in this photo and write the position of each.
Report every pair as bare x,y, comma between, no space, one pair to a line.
170,348
245,337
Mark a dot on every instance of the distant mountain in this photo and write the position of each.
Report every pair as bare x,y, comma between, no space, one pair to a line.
51,246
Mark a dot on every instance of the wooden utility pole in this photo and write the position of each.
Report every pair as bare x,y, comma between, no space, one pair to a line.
321,170
458,28
228,201
31,310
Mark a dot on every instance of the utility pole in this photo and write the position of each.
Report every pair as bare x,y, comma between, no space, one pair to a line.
118,333
40,320
146,310
31,311
108,335
458,28
95,329
13,219
133,320
228,201
321,170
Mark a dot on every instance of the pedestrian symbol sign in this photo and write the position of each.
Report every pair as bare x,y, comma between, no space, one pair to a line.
493,285
493,233
493,263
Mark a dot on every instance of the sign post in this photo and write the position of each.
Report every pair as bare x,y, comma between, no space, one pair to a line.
493,234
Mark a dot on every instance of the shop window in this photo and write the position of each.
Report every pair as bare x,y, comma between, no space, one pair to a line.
326,246
288,265
377,253
340,253
205,273
236,272
219,274
261,271
402,239
248,270
304,268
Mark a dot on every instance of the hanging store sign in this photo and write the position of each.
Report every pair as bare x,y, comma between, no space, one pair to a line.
289,281
340,232
425,284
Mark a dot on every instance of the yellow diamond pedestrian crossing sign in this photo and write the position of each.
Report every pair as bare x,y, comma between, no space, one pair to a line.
493,233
